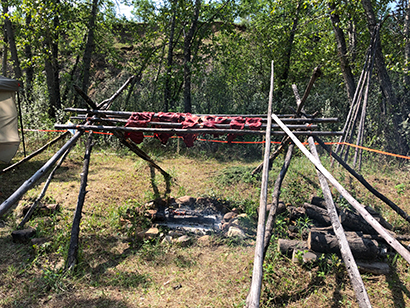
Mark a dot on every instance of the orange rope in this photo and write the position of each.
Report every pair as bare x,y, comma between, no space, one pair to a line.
245,142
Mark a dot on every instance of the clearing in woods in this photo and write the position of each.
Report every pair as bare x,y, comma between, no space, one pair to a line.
117,270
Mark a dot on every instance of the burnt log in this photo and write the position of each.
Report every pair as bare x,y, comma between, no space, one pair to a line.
318,214
326,242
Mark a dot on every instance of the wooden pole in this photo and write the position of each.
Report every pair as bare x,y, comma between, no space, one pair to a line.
75,230
43,192
124,119
362,180
275,199
21,123
351,267
43,170
34,153
189,130
360,209
300,104
127,114
253,298
107,103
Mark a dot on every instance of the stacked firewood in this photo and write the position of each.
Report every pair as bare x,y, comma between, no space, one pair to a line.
319,238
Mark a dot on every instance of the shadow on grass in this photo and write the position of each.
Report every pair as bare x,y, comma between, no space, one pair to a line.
289,298
397,288
106,273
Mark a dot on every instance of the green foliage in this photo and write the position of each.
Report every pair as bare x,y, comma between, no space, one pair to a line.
234,175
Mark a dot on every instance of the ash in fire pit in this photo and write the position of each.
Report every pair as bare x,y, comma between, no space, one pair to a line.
201,215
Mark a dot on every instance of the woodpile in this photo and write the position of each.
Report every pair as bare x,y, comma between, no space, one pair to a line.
319,237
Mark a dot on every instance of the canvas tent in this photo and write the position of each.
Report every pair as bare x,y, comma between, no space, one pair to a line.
9,137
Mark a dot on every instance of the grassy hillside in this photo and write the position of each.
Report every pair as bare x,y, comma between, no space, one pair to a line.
115,270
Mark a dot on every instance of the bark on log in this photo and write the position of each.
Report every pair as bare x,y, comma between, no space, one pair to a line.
321,202
316,213
326,242
383,232
286,246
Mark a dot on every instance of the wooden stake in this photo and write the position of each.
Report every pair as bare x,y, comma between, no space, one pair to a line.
351,267
360,209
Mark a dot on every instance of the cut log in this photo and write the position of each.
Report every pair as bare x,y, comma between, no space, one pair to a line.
375,268
316,213
326,242
286,246
376,215
353,222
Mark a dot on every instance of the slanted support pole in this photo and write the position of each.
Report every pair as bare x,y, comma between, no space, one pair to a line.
359,208
43,192
351,267
36,176
366,184
254,295
75,230
300,103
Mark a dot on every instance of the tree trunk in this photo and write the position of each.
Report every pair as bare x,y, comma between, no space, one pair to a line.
52,67
168,101
407,45
342,53
395,138
187,58
89,47
288,53
12,43
29,69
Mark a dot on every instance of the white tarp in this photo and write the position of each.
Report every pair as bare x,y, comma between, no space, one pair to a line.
9,137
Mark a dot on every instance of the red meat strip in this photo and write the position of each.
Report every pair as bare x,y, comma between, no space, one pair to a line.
189,122
138,119
254,123
166,117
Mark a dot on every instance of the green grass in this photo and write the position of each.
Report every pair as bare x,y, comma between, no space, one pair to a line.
115,270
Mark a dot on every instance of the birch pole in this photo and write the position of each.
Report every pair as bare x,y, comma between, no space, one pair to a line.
36,176
360,208
254,295
351,266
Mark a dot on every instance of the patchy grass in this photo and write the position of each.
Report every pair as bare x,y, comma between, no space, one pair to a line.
113,273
